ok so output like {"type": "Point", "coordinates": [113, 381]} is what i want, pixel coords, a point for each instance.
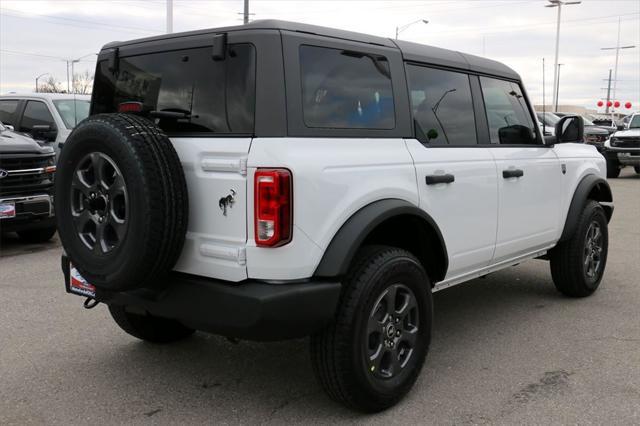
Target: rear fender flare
{"type": "Point", "coordinates": [350, 237]}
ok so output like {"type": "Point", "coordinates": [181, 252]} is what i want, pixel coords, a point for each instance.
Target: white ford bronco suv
{"type": "Point", "coordinates": [278, 180]}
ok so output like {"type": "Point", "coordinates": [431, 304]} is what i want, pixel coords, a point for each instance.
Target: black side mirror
{"type": "Point", "coordinates": [620, 126]}
{"type": "Point", "coordinates": [515, 134]}
{"type": "Point", "coordinates": [43, 132]}
{"type": "Point", "coordinates": [570, 128]}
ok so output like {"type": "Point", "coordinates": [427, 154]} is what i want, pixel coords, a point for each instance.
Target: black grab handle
{"type": "Point", "coordinates": [435, 179]}
{"type": "Point", "coordinates": [512, 173]}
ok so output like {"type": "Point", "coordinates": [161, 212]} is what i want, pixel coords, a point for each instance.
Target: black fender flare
{"type": "Point", "coordinates": [346, 242]}
{"type": "Point", "coordinates": [590, 184]}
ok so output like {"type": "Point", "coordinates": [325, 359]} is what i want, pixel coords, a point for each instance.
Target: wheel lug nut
{"type": "Point", "coordinates": [397, 320]}
{"type": "Point", "coordinates": [398, 333]}
{"type": "Point", "coordinates": [93, 195]}
{"type": "Point", "coordinates": [100, 219]}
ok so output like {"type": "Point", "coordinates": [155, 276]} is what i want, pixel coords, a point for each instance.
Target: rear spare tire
{"type": "Point", "coordinates": [121, 201]}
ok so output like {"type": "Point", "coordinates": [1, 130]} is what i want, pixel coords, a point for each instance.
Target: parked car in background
{"type": "Point", "coordinates": [26, 185]}
{"type": "Point", "coordinates": [47, 117]}
{"type": "Point", "coordinates": [548, 122]}
{"type": "Point", "coordinates": [593, 135]}
{"type": "Point", "coordinates": [623, 148]}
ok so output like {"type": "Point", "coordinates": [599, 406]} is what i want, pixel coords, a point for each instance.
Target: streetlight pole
{"type": "Point", "coordinates": [38, 77]}
{"type": "Point", "coordinates": [617, 48]}
{"type": "Point", "coordinates": [558, 4]}
{"type": "Point", "coordinates": [557, 89]}
{"type": "Point", "coordinates": [404, 27]}
{"type": "Point", "coordinates": [74, 61]}
{"type": "Point", "coordinates": [169, 16]}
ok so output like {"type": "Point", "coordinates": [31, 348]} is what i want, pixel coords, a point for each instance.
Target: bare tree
{"type": "Point", "coordinates": [51, 85]}
{"type": "Point", "coordinates": [82, 83]}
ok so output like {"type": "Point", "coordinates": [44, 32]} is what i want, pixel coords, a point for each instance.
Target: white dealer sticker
{"type": "Point", "coordinates": [79, 285]}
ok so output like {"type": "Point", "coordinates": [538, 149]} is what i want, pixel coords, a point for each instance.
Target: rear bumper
{"type": "Point", "coordinates": [250, 310]}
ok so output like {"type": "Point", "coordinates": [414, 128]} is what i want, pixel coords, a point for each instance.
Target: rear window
{"type": "Point", "coordinates": [184, 91]}
{"type": "Point", "coordinates": [345, 89]}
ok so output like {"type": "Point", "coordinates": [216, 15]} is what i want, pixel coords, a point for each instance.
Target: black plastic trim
{"type": "Point", "coordinates": [579, 200]}
{"type": "Point", "coordinates": [250, 310]}
{"type": "Point", "coordinates": [349, 238]}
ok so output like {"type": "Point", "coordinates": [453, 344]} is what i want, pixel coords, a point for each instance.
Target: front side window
{"type": "Point", "coordinates": [183, 91]}
{"type": "Point", "coordinates": [343, 89]}
{"type": "Point", "coordinates": [8, 108]}
{"type": "Point", "coordinates": [36, 113]}
{"type": "Point", "coordinates": [441, 105]}
{"type": "Point", "coordinates": [72, 111]}
{"type": "Point", "coordinates": [510, 122]}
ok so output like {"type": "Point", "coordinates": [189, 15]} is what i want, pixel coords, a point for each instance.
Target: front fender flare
{"type": "Point", "coordinates": [590, 184]}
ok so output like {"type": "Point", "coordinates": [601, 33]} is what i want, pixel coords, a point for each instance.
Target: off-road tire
{"type": "Point", "coordinates": [613, 169]}
{"type": "Point", "coordinates": [338, 354]}
{"type": "Point", "coordinates": [567, 259]}
{"type": "Point", "coordinates": [148, 327]}
{"type": "Point", "coordinates": [40, 235]}
{"type": "Point", "coordinates": [157, 201]}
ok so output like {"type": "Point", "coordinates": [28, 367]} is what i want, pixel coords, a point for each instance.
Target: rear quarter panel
{"type": "Point", "coordinates": [332, 179]}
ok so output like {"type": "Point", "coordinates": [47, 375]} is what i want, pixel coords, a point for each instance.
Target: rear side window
{"type": "Point", "coordinates": [441, 105]}
{"type": "Point", "coordinates": [7, 111]}
{"type": "Point", "coordinates": [36, 113]}
{"type": "Point", "coordinates": [510, 121]}
{"type": "Point", "coordinates": [343, 89]}
{"type": "Point", "coordinates": [184, 91]}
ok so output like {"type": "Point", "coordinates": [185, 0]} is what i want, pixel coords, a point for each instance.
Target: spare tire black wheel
{"type": "Point", "coordinates": [121, 201]}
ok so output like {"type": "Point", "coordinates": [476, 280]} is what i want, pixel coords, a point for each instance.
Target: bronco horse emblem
{"type": "Point", "coordinates": [227, 202]}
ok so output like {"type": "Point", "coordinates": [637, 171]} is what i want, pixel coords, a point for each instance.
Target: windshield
{"type": "Point", "coordinates": [72, 111]}
{"type": "Point", "coordinates": [635, 122]}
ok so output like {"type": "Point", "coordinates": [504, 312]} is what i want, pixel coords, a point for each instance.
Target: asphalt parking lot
{"type": "Point", "coordinates": [506, 349]}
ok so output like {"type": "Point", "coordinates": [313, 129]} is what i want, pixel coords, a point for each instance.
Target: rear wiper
{"type": "Point", "coordinates": [169, 114]}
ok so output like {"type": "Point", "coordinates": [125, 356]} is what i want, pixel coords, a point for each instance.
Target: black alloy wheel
{"type": "Point", "coordinates": [593, 248]}
{"type": "Point", "coordinates": [392, 330]}
{"type": "Point", "coordinates": [99, 203]}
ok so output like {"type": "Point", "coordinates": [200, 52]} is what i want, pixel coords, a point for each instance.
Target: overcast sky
{"type": "Point", "coordinates": [36, 36]}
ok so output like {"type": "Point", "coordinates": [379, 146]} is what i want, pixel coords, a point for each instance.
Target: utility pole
{"type": "Point", "coordinates": [558, 89]}
{"type": "Point", "coordinates": [608, 93]}
{"type": "Point", "coordinates": [558, 4]}
{"type": "Point", "coordinates": [169, 16]}
{"type": "Point", "coordinates": [245, 18]}
{"type": "Point", "coordinates": [68, 87]}
{"type": "Point", "coordinates": [617, 49]}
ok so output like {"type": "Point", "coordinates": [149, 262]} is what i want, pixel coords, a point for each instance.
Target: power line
{"type": "Point", "coordinates": [49, 18]}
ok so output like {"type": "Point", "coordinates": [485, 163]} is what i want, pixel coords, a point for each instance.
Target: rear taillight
{"type": "Point", "coordinates": [273, 207]}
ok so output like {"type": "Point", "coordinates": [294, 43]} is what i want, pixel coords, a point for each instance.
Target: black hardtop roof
{"type": "Point", "coordinates": [410, 51]}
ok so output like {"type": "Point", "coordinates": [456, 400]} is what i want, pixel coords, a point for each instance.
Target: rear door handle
{"type": "Point", "coordinates": [435, 179]}
{"type": "Point", "coordinates": [512, 173]}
